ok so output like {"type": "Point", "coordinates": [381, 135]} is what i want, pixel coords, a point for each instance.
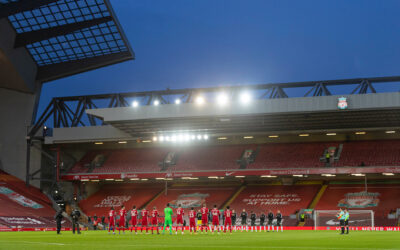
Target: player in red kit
{"type": "Point", "coordinates": [134, 215]}
{"type": "Point", "coordinates": [154, 220]}
{"type": "Point", "coordinates": [204, 218]}
{"type": "Point", "coordinates": [144, 214]}
{"type": "Point", "coordinates": [179, 217]}
{"type": "Point", "coordinates": [192, 220]}
{"type": "Point", "coordinates": [215, 218]}
{"type": "Point", "coordinates": [111, 220]}
{"type": "Point", "coordinates": [122, 215]}
{"type": "Point", "coordinates": [228, 219]}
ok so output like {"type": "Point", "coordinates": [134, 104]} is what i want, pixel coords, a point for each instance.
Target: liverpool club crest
{"type": "Point", "coordinates": [342, 103]}
{"type": "Point", "coordinates": [359, 200]}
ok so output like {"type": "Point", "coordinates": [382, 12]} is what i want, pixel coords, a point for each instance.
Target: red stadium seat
{"type": "Point", "coordinates": [116, 195]}
{"type": "Point", "coordinates": [387, 198]}
{"type": "Point", "coordinates": [22, 206]}
{"type": "Point", "coordinates": [270, 156]}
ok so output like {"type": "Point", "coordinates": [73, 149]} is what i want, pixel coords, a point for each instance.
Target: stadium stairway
{"type": "Point", "coordinates": [314, 202]}
{"type": "Point", "coordinates": [233, 197]}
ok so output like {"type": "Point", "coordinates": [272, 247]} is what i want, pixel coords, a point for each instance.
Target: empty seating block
{"type": "Point", "coordinates": [379, 198]}
{"type": "Point", "coordinates": [270, 156]}
{"type": "Point", "coordinates": [115, 195]}
{"type": "Point", "coordinates": [22, 206]}
{"type": "Point", "coordinates": [193, 196]}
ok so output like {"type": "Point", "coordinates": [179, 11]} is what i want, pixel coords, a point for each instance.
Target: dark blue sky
{"type": "Point", "coordinates": [199, 43]}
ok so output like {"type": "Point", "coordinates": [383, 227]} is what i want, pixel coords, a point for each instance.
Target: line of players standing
{"type": "Point", "coordinates": [269, 217]}
{"type": "Point", "coordinates": [203, 216]}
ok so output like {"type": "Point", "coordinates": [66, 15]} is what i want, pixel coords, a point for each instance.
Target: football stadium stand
{"type": "Point", "coordinates": [22, 206]}
{"type": "Point", "coordinates": [290, 155]}
{"type": "Point", "coordinates": [287, 199]}
{"type": "Point", "coordinates": [381, 198]}
{"type": "Point", "coordinates": [114, 195]}
{"type": "Point", "coordinates": [209, 158]}
{"type": "Point", "coordinates": [193, 196]}
{"type": "Point", "coordinates": [269, 156]}
{"type": "Point", "coordinates": [370, 153]}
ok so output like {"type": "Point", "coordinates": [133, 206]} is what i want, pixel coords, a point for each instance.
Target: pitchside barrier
{"type": "Point", "coordinates": [238, 229]}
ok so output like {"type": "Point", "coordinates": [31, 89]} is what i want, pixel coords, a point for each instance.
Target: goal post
{"type": "Point", "coordinates": [358, 218]}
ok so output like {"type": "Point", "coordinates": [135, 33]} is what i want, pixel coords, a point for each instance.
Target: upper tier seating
{"type": "Point", "coordinates": [133, 160]}
{"type": "Point", "coordinates": [290, 155]}
{"type": "Point", "coordinates": [22, 206]}
{"type": "Point", "coordinates": [372, 153]}
{"type": "Point", "coordinates": [270, 156]}
{"type": "Point", "coordinates": [209, 158]}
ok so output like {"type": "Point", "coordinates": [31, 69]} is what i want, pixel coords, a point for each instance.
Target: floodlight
{"type": "Point", "coordinates": [200, 100]}
{"type": "Point", "coordinates": [156, 102]}
{"type": "Point", "coordinates": [245, 98]}
{"type": "Point", "coordinates": [222, 99]}
{"type": "Point", "coordinates": [135, 104]}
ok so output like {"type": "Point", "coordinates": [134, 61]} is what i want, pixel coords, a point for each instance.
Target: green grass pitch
{"type": "Point", "coordinates": [239, 240]}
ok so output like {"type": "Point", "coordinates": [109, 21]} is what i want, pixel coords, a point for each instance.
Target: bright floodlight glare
{"type": "Point", "coordinates": [200, 100]}
{"type": "Point", "coordinates": [135, 104]}
{"type": "Point", "coordinates": [245, 98]}
{"type": "Point", "coordinates": [161, 138]}
{"type": "Point", "coordinates": [187, 137]}
{"type": "Point", "coordinates": [180, 137]}
{"type": "Point", "coordinates": [156, 102]}
{"type": "Point", "coordinates": [205, 137]}
{"type": "Point", "coordinates": [167, 138]}
{"type": "Point", "coordinates": [155, 138]}
{"type": "Point", "coordinates": [178, 101]}
{"type": "Point", "coordinates": [198, 137]}
{"type": "Point", "coordinates": [173, 138]}
{"type": "Point", "coordinates": [222, 99]}
{"type": "Point", "coordinates": [192, 137]}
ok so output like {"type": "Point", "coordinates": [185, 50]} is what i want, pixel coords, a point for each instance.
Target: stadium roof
{"type": "Point", "coordinates": [269, 110]}
{"type": "Point", "coordinates": [66, 37]}
{"type": "Point", "coordinates": [274, 115]}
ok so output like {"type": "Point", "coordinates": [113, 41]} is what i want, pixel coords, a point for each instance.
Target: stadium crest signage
{"type": "Point", "coordinates": [342, 103]}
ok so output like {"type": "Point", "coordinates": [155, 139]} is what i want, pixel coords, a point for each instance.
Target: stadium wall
{"type": "Point", "coordinates": [16, 111]}
{"type": "Point", "coordinates": [19, 95]}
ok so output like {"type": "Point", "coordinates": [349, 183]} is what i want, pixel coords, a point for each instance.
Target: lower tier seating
{"type": "Point", "coordinates": [287, 199]}
{"type": "Point", "coordinates": [193, 196]}
{"type": "Point", "coordinates": [23, 207]}
{"type": "Point", "coordinates": [114, 195]}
